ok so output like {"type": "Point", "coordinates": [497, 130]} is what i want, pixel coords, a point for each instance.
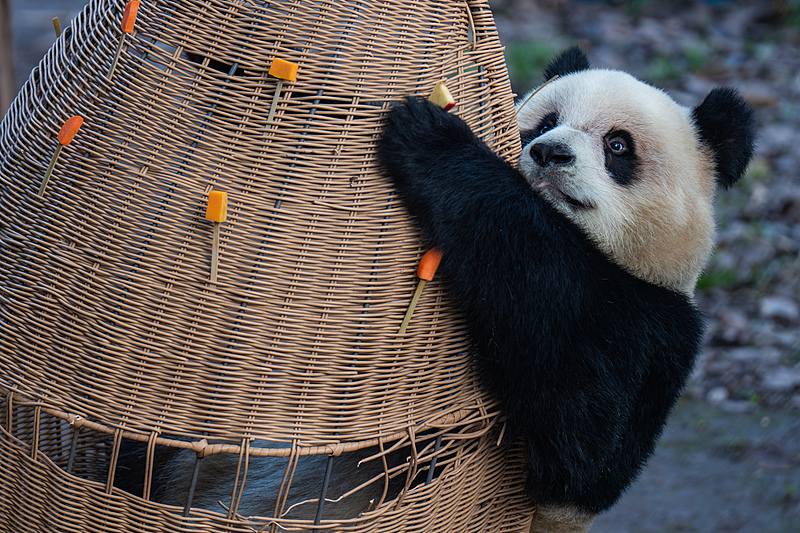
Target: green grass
{"type": "Point", "coordinates": [758, 171]}
{"type": "Point", "coordinates": [790, 9]}
{"type": "Point", "coordinates": [719, 279]}
{"type": "Point", "coordinates": [526, 60]}
{"type": "Point", "coordinates": [663, 69]}
{"type": "Point", "coordinates": [696, 56]}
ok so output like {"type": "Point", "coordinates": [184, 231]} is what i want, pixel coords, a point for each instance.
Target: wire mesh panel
{"type": "Point", "coordinates": [135, 383]}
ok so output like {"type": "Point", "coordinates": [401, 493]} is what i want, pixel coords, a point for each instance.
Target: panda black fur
{"type": "Point", "coordinates": [585, 334]}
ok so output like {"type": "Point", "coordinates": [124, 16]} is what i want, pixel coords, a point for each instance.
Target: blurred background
{"type": "Point", "coordinates": [730, 459]}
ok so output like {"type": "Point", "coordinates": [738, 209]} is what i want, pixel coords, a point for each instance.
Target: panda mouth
{"type": "Point", "coordinates": [559, 194]}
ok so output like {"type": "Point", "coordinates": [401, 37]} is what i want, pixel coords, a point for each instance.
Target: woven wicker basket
{"type": "Point", "coordinates": [114, 334]}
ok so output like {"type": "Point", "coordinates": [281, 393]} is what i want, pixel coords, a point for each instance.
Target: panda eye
{"type": "Point", "coordinates": [617, 146]}
{"type": "Point", "coordinates": [618, 143]}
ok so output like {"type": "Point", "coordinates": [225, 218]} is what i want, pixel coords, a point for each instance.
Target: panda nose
{"type": "Point", "coordinates": [555, 154]}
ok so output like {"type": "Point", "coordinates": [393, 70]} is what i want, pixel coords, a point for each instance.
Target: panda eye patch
{"type": "Point", "coordinates": [526, 136]}
{"type": "Point", "coordinates": [621, 161]}
{"type": "Point", "coordinates": [547, 123]}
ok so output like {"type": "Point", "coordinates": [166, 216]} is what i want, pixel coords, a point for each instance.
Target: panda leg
{"type": "Point", "coordinates": [561, 519]}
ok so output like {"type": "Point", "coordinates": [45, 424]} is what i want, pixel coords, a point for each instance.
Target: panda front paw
{"type": "Point", "coordinates": [418, 135]}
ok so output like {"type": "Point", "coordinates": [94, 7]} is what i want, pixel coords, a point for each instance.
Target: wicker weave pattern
{"type": "Point", "coordinates": [110, 321]}
{"type": "Point", "coordinates": [478, 492]}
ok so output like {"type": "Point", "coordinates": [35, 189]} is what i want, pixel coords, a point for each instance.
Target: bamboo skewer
{"type": "Point", "coordinates": [65, 136]}
{"type": "Point", "coordinates": [425, 271]}
{"type": "Point", "coordinates": [128, 21]}
{"type": "Point", "coordinates": [216, 211]}
{"type": "Point", "coordinates": [283, 70]}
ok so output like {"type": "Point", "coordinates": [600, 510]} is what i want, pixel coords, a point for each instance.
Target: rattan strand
{"type": "Point", "coordinates": [109, 317]}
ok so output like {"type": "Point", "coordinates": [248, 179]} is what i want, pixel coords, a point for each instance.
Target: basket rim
{"type": "Point", "coordinates": [486, 419]}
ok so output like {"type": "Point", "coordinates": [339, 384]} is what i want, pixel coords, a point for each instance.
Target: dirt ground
{"type": "Point", "coordinates": [717, 471]}
{"type": "Point", "coordinates": [730, 458]}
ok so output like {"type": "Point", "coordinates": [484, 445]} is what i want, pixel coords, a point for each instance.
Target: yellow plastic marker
{"type": "Point", "coordinates": [216, 211]}
{"type": "Point", "coordinates": [425, 271]}
{"type": "Point", "coordinates": [283, 70]}
{"type": "Point", "coordinates": [441, 96]}
{"type": "Point", "coordinates": [65, 136]}
{"type": "Point", "coordinates": [128, 20]}
{"type": "Point", "coordinates": [57, 26]}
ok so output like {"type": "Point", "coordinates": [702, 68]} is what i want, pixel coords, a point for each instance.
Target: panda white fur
{"type": "Point", "coordinates": [576, 270]}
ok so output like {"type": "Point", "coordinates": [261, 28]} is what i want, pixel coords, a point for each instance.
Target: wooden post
{"type": "Point", "coordinates": [8, 86]}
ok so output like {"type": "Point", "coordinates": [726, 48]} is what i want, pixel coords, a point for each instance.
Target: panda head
{"type": "Point", "coordinates": [634, 169]}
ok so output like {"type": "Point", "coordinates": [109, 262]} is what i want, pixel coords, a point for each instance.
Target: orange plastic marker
{"type": "Point", "coordinates": [65, 136]}
{"type": "Point", "coordinates": [425, 272]}
{"type": "Point", "coordinates": [216, 211]}
{"type": "Point", "coordinates": [283, 70]}
{"type": "Point", "coordinates": [128, 20]}
{"type": "Point", "coordinates": [57, 26]}
{"type": "Point", "coordinates": [441, 96]}
{"type": "Point", "coordinates": [69, 129]}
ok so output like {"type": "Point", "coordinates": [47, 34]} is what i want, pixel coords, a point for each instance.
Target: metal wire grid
{"type": "Point", "coordinates": [111, 325]}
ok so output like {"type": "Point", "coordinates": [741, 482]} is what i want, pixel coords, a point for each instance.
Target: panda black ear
{"type": "Point", "coordinates": [569, 61]}
{"type": "Point", "coordinates": [726, 124]}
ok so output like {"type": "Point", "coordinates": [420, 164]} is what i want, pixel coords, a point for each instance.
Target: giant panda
{"type": "Point", "coordinates": [575, 270]}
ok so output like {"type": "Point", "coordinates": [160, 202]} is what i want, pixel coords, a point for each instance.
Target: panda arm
{"type": "Point", "coordinates": [519, 272]}
{"type": "Point", "coordinates": [450, 181]}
